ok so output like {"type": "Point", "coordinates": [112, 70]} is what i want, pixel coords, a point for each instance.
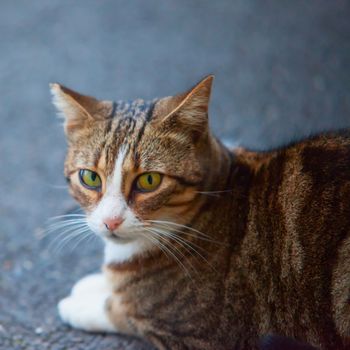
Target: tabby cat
{"type": "Point", "coordinates": [206, 247]}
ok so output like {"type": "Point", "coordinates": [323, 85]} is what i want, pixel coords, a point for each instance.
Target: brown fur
{"type": "Point", "coordinates": [278, 255]}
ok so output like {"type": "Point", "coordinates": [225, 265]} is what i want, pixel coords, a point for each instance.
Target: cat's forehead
{"type": "Point", "coordinates": [134, 109]}
{"type": "Point", "coordinates": [124, 130]}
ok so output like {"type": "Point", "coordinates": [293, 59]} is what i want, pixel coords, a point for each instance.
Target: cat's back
{"type": "Point", "coordinates": [318, 162]}
{"type": "Point", "coordinates": [325, 157]}
{"type": "Point", "coordinates": [297, 244]}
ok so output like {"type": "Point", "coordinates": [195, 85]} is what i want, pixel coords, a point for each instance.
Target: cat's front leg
{"type": "Point", "coordinates": [87, 313]}
{"type": "Point", "coordinates": [94, 283]}
{"type": "Point", "coordinates": [85, 308]}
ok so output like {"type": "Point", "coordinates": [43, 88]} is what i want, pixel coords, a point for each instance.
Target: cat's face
{"type": "Point", "coordinates": [136, 167]}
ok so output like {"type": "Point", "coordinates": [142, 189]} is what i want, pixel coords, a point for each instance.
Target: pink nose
{"type": "Point", "coordinates": [112, 224]}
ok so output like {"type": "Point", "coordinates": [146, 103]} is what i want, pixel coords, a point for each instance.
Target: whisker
{"type": "Point", "coordinates": [70, 227]}
{"type": "Point", "coordinates": [171, 252]}
{"type": "Point", "coordinates": [180, 225]}
{"type": "Point", "coordinates": [67, 229]}
{"type": "Point", "coordinates": [64, 222]}
{"type": "Point", "coordinates": [59, 187]}
{"type": "Point", "coordinates": [64, 228]}
{"type": "Point", "coordinates": [57, 246]}
{"type": "Point", "coordinates": [207, 192]}
{"type": "Point", "coordinates": [189, 246]}
{"type": "Point", "coordinates": [57, 227]}
{"type": "Point", "coordinates": [66, 216]}
{"type": "Point", "coordinates": [216, 194]}
{"type": "Point", "coordinates": [191, 234]}
{"type": "Point", "coordinates": [156, 242]}
{"type": "Point", "coordinates": [178, 237]}
{"type": "Point", "coordinates": [210, 194]}
{"type": "Point", "coordinates": [62, 236]}
{"type": "Point", "coordinates": [92, 238]}
{"type": "Point", "coordinates": [63, 243]}
{"type": "Point", "coordinates": [85, 235]}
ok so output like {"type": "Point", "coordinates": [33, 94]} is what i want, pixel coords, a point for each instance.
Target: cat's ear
{"type": "Point", "coordinates": [190, 109]}
{"type": "Point", "coordinates": [77, 109]}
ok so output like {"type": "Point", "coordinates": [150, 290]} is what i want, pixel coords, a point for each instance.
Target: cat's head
{"type": "Point", "coordinates": [137, 167]}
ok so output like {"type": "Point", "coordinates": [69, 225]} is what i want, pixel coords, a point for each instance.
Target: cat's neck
{"type": "Point", "coordinates": [225, 206]}
{"type": "Point", "coordinates": [219, 166]}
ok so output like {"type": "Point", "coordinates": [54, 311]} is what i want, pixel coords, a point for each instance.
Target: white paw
{"type": "Point", "coordinates": [95, 283]}
{"type": "Point", "coordinates": [86, 312]}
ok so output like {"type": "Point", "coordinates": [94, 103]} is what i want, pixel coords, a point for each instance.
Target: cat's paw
{"type": "Point", "coordinates": [94, 283]}
{"type": "Point", "coordinates": [86, 312]}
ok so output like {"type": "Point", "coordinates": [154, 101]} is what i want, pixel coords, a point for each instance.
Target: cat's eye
{"type": "Point", "coordinates": [148, 182]}
{"type": "Point", "coordinates": [90, 179]}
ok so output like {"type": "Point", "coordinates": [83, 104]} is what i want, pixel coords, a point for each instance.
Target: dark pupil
{"type": "Point", "coordinates": [150, 179]}
{"type": "Point", "coordinates": [93, 176]}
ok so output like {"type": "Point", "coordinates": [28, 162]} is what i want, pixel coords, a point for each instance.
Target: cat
{"type": "Point", "coordinates": [206, 247]}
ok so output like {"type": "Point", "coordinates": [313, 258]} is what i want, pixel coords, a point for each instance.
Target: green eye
{"type": "Point", "coordinates": [148, 182]}
{"type": "Point", "coordinates": [90, 179]}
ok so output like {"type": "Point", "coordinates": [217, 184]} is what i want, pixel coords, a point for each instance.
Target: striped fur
{"type": "Point", "coordinates": [267, 243]}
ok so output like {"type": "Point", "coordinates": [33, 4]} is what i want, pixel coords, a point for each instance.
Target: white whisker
{"type": "Point", "coordinates": [59, 187]}
{"type": "Point", "coordinates": [66, 222]}
{"type": "Point", "coordinates": [67, 234]}
{"type": "Point", "coordinates": [189, 234]}
{"type": "Point", "coordinates": [85, 235]}
{"type": "Point", "coordinates": [66, 216]}
{"type": "Point", "coordinates": [64, 225]}
{"type": "Point", "coordinates": [163, 243]}
{"type": "Point", "coordinates": [189, 246]}
{"type": "Point", "coordinates": [208, 192]}
{"type": "Point", "coordinates": [156, 242]}
{"type": "Point", "coordinates": [75, 234]}
{"type": "Point", "coordinates": [69, 227]}
{"type": "Point", "coordinates": [180, 225]}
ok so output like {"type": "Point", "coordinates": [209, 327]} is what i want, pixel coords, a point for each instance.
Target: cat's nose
{"type": "Point", "coordinates": [113, 223]}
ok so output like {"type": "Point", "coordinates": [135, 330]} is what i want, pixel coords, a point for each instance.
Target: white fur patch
{"type": "Point", "coordinates": [58, 100]}
{"type": "Point", "coordinates": [117, 253]}
{"type": "Point", "coordinates": [68, 109]}
{"type": "Point", "coordinates": [89, 284]}
{"type": "Point", "coordinates": [85, 308]}
{"type": "Point", "coordinates": [118, 170]}
{"type": "Point", "coordinates": [113, 204]}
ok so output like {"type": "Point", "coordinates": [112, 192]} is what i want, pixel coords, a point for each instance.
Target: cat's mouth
{"type": "Point", "coordinates": [114, 237]}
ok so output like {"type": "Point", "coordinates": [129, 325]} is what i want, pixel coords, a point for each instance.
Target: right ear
{"type": "Point", "coordinates": [188, 110]}
{"type": "Point", "coordinates": [76, 109]}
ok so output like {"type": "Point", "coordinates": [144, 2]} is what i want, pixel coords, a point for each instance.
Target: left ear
{"type": "Point", "coordinates": [188, 110]}
{"type": "Point", "coordinates": [77, 109]}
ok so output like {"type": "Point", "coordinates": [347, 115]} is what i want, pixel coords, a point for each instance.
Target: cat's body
{"type": "Point", "coordinates": [265, 250]}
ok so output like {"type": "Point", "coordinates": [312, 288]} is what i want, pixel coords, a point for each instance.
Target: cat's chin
{"type": "Point", "coordinates": [117, 251]}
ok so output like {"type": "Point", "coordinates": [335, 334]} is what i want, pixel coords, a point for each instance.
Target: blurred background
{"type": "Point", "coordinates": [282, 72]}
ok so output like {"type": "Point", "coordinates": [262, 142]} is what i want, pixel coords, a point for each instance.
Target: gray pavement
{"type": "Point", "coordinates": [282, 71]}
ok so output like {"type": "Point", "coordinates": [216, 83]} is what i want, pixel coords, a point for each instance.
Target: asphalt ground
{"type": "Point", "coordinates": [282, 72]}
